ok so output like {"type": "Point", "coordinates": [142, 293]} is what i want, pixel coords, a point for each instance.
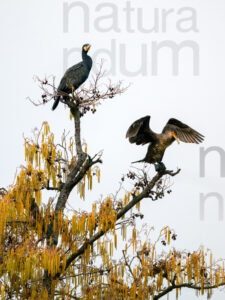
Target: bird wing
{"type": "Point", "coordinates": [74, 68]}
{"type": "Point", "coordinates": [72, 76]}
{"type": "Point", "coordinates": [139, 132]}
{"type": "Point", "coordinates": [183, 132]}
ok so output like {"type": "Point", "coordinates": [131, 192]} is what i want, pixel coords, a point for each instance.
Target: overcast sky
{"type": "Point", "coordinates": [43, 37]}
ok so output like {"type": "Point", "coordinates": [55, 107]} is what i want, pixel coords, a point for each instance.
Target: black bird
{"type": "Point", "coordinates": [140, 134]}
{"type": "Point", "coordinates": [75, 76]}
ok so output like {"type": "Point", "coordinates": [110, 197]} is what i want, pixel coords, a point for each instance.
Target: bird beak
{"type": "Point", "coordinates": [87, 48]}
{"type": "Point", "coordinates": [175, 136]}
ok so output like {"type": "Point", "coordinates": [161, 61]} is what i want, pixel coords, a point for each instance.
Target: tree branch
{"type": "Point", "coordinates": [186, 285]}
{"type": "Point", "coordinates": [123, 211]}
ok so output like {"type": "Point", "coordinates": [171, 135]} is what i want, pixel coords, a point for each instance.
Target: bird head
{"type": "Point", "coordinates": [86, 47]}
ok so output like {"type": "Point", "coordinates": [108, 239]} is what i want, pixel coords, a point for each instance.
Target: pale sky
{"type": "Point", "coordinates": [36, 35]}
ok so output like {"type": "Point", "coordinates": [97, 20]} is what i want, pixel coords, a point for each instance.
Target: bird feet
{"type": "Point", "coordinates": [160, 167]}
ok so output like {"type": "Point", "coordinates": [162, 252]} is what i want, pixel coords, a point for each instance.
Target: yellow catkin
{"type": "Point", "coordinates": [38, 197]}
{"type": "Point", "coordinates": [124, 232]}
{"type": "Point", "coordinates": [83, 191]}
{"type": "Point", "coordinates": [26, 151]}
{"type": "Point", "coordinates": [137, 193]}
{"type": "Point", "coordinates": [115, 240]}
{"type": "Point", "coordinates": [168, 237]}
{"type": "Point", "coordinates": [2, 293]}
{"type": "Point", "coordinates": [111, 249]}
{"type": "Point", "coordinates": [125, 200]}
{"type": "Point", "coordinates": [134, 235]}
{"type": "Point", "coordinates": [202, 285]}
{"type": "Point", "coordinates": [99, 175]}
{"type": "Point", "coordinates": [138, 206]}
{"type": "Point", "coordinates": [91, 182]}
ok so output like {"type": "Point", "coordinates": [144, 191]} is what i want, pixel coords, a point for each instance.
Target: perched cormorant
{"type": "Point", "coordinates": [75, 76]}
{"type": "Point", "coordinates": [140, 134]}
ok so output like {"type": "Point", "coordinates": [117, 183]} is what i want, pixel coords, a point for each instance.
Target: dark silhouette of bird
{"type": "Point", "coordinates": [140, 133]}
{"type": "Point", "coordinates": [74, 76]}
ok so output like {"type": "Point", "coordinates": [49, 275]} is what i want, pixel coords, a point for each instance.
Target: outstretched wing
{"type": "Point", "coordinates": [183, 132]}
{"type": "Point", "coordinates": [139, 132]}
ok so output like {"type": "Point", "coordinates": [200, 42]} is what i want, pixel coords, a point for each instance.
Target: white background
{"type": "Point", "coordinates": [32, 43]}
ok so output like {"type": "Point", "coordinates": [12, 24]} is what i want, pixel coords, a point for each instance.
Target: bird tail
{"type": "Point", "coordinates": [56, 102]}
{"type": "Point", "coordinates": [138, 161]}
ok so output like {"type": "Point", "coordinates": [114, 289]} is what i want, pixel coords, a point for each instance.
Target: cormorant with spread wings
{"type": "Point", "coordinates": [74, 76]}
{"type": "Point", "coordinates": [140, 133]}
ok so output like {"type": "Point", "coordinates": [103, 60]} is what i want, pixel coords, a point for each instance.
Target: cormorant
{"type": "Point", "coordinates": [75, 76]}
{"type": "Point", "coordinates": [140, 133]}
